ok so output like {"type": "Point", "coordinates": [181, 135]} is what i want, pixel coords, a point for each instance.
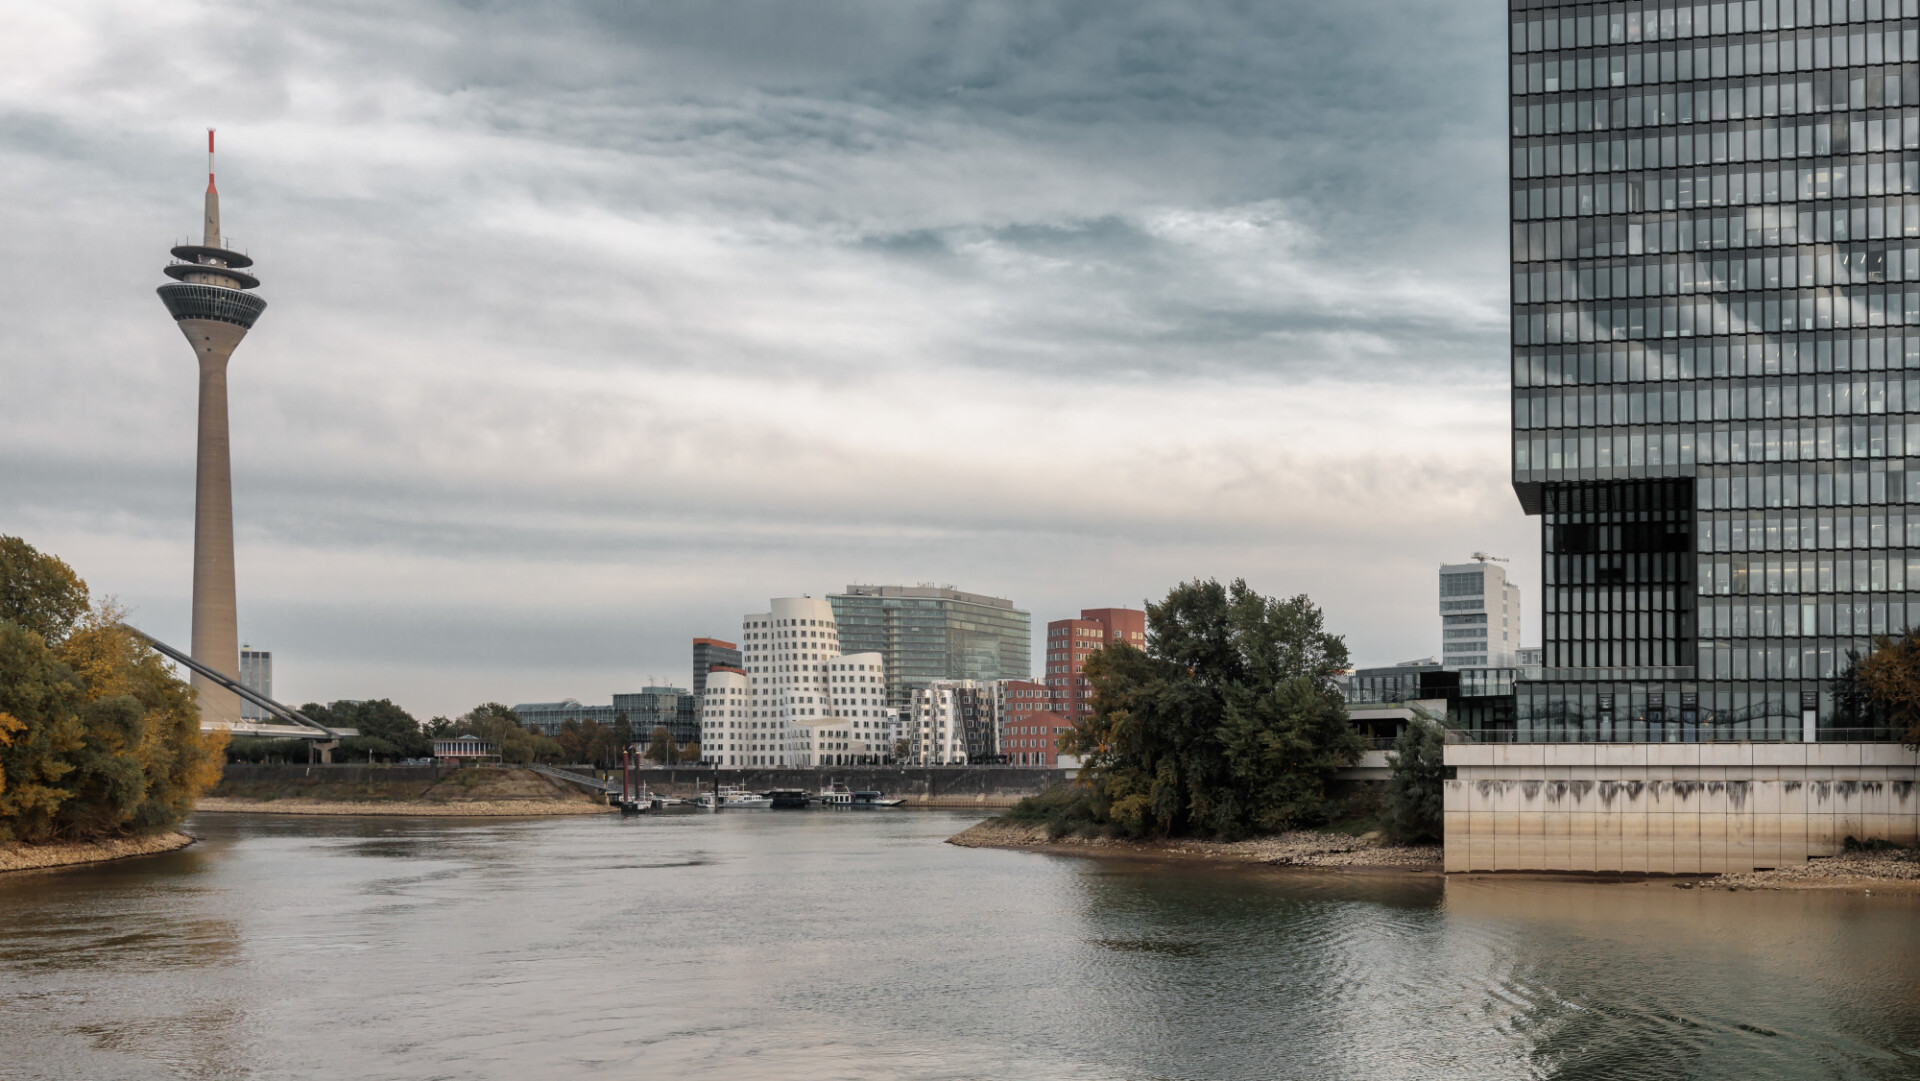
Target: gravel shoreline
{"type": "Point", "coordinates": [503, 808]}
{"type": "Point", "coordinates": [1890, 871]}
{"type": "Point", "coordinates": [1299, 848]}
{"type": "Point", "coordinates": [24, 857]}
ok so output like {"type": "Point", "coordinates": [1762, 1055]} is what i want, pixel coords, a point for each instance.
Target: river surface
{"type": "Point", "coordinates": [797, 945]}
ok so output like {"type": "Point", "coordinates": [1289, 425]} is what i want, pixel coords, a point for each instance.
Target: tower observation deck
{"type": "Point", "coordinates": [210, 302]}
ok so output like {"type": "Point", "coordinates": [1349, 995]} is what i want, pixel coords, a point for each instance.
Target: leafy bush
{"type": "Point", "coordinates": [1415, 803]}
{"type": "Point", "coordinates": [1063, 809]}
{"type": "Point", "coordinates": [1869, 844]}
{"type": "Point", "coordinates": [1881, 691]}
{"type": "Point", "coordinates": [258, 749]}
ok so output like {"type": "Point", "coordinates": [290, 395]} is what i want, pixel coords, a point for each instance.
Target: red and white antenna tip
{"type": "Point", "coordinates": [210, 186]}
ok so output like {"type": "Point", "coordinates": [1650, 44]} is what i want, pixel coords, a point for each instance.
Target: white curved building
{"type": "Point", "coordinates": [726, 738]}
{"type": "Point", "coordinates": [807, 703]}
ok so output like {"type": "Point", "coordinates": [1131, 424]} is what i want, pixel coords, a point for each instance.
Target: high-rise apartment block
{"type": "Point", "coordinates": [810, 704]}
{"type": "Point", "coordinates": [256, 675]}
{"type": "Point", "coordinates": [927, 633]}
{"type": "Point", "coordinates": [1716, 355]}
{"type": "Point", "coordinates": [1071, 641]}
{"type": "Point", "coordinates": [1479, 615]}
{"type": "Point", "coordinates": [709, 653]}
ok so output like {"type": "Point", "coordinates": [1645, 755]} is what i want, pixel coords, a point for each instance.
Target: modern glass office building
{"type": "Point", "coordinates": [928, 633]}
{"type": "Point", "coordinates": [1716, 335]}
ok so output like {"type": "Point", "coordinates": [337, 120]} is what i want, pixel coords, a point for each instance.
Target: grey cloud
{"type": "Point", "coordinates": [621, 317]}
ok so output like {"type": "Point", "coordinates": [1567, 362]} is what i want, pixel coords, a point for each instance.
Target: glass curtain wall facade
{"type": "Point", "coordinates": [1716, 334]}
{"type": "Point", "coordinates": [929, 633]}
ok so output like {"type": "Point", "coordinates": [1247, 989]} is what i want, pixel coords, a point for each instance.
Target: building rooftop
{"type": "Point", "coordinates": [930, 592]}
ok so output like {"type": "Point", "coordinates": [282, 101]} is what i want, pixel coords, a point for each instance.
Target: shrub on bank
{"type": "Point", "coordinates": [258, 749]}
{"type": "Point", "coordinates": [1415, 801]}
{"type": "Point", "coordinates": [97, 735]}
{"type": "Point", "coordinates": [1064, 809]}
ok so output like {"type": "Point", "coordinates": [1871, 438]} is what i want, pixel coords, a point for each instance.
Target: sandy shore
{"type": "Point", "coordinates": [37, 857]}
{"type": "Point", "coordinates": [1300, 848]}
{"type": "Point", "coordinates": [1895, 871]}
{"type": "Point", "coordinates": [500, 808]}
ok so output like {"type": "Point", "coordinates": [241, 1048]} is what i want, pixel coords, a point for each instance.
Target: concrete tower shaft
{"type": "Point", "coordinates": [208, 300]}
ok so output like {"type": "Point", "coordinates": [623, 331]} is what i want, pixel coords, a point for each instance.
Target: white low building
{"type": "Point", "coordinates": [806, 703]}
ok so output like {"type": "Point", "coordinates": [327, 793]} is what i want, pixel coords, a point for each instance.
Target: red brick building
{"type": "Point", "coordinates": [1029, 727]}
{"type": "Point", "coordinates": [1038, 714]}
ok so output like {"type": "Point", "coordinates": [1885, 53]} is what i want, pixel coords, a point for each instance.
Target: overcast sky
{"type": "Point", "coordinates": [592, 326]}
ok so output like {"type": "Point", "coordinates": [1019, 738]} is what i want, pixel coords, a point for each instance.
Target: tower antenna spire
{"type": "Point", "coordinates": [211, 235]}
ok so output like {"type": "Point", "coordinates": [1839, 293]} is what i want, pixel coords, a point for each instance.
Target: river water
{"type": "Point", "coordinates": [855, 945]}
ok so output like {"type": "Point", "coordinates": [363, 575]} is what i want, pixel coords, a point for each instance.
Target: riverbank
{"type": "Point", "coordinates": [1893, 871]}
{"type": "Point", "coordinates": [23, 857]}
{"type": "Point", "coordinates": [1299, 848]}
{"type": "Point", "coordinates": [402, 790]}
{"type": "Point", "coordinates": [481, 808]}
{"type": "Point", "coordinates": [1890, 871]}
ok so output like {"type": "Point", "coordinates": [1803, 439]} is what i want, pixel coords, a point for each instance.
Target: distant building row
{"type": "Point", "coordinates": [926, 675]}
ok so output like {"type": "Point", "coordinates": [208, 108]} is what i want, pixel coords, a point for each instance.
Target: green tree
{"type": "Point", "coordinates": [97, 735]}
{"type": "Point", "coordinates": [1415, 803]}
{"type": "Point", "coordinates": [501, 726]}
{"type": "Point", "coordinates": [1882, 689]}
{"type": "Point", "coordinates": [386, 730]}
{"type": "Point", "coordinates": [1229, 724]}
{"type": "Point", "coordinates": [660, 746]}
{"type": "Point", "coordinates": [589, 741]}
{"type": "Point", "coordinates": [258, 749]}
{"type": "Point", "coordinates": [38, 592]}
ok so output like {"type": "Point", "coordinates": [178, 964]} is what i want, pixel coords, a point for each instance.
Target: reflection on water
{"type": "Point", "coordinates": [820, 945]}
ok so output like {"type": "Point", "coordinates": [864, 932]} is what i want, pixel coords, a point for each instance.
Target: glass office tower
{"type": "Point", "coordinates": [929, 633]}
{"type": "Point", "coordinates": [1716, 332]}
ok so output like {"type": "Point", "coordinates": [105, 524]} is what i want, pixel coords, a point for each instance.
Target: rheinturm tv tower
{"type": "Point", "coordinates": [208, 298]}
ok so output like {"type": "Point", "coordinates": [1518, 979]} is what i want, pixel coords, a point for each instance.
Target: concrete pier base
{"type": "Point", "coordinates": [1673, 808]}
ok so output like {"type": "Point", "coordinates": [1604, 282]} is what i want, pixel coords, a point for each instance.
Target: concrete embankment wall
{"type": "Point", "coordinates": [1663, 808]}
{"type": "Point", "coordinates": [970, 786]}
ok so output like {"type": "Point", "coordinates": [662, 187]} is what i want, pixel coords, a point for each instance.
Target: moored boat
{"type": "Point", "coordinates": [733, 796]}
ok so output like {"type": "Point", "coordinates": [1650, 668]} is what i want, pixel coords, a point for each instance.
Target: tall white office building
{"type": "Point", "coordinates": [1479, 615]}
{"type": "Point", "coordinates": [256, 675]}
{"type": "Point", "coordinates": [806, 703]}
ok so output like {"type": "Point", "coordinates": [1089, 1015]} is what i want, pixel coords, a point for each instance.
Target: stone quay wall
{"type": "Point", "coordinates": [920, 786]}
{"type": "Point", "coordinates": [1673, 808]}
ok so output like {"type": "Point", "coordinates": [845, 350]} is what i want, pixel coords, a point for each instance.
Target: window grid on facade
{"type": "Point", "coordinates": [1716, 337]}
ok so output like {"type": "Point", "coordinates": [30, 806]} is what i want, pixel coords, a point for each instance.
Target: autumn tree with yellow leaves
{"type": "Point", "coordinates": [97, 735]}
